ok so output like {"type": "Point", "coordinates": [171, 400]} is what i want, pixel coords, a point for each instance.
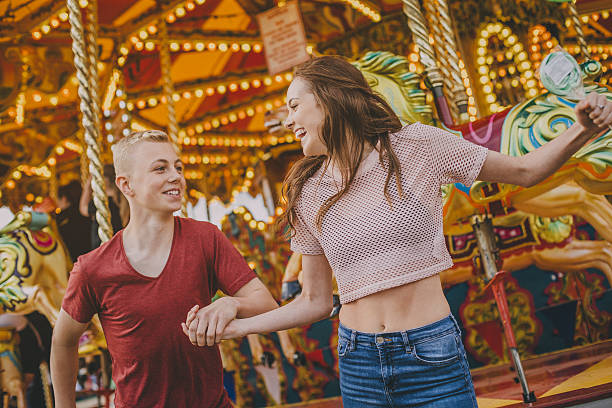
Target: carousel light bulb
{"type": "Point", "coordinates": [83, 3]}
{"type": "Point", "coordinates": [233, 87]}
{"type": "Point", "coordinates": [174, 46]}
{"type": "Point", "coordinates": [45, 28]}
{"type": "Point", "coordinates": [55, 22]}
{"type": "Point", "coordinates": [143, 35]}
{"type": "Point", "coordinates": [53, 100]}
{"type": "Point", "coordinates": [190, 6]}
{"type": "Point", "coordinates": [199, 93]}
{"type": "Point", "coordinates": [37, 35]}
{"type": "Point", "coordinates": [256, 83]}
{"type": "Point", "coordinates": [223, 47]}
{"type": "Point", "coordinates": [150, 45]}
{"type": "Point", "coordinates": [126, 132]}
{"type": "Point", "coordinates": [63, 16]}
{"type": "Point", "coordinates": [171, 18]}
{"type": "Point", "coordinates": [200, 2]}
{"type": "Point", "coordinates": [246, 47]}
{"type": "Point", "coordinates": [210, 91]}
{"type": "Point", "coordinates": [108, 126]}
{"type": "Point", "coordinates": [221, 89]}
{"type": "Point", "coordinates": [199, 46]}
{"type": "Point", "coordinates": [258, 47]}
{"type": "Point", "coordinates": [267, 81]}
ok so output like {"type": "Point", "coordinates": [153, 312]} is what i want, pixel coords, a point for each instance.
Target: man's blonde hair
{"type": "Point", "coordinates": [121, 149]}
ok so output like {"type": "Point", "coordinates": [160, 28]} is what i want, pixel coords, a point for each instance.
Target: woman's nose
{"type": "Point", "coordinates": [288, 122]}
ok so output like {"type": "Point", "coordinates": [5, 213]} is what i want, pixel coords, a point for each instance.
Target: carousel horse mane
{"type": "Point", "coordinates": [389, 75]}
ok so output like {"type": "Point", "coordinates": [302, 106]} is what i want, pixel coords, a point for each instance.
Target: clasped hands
{"type": "Point", "coordinates": [209, 325]}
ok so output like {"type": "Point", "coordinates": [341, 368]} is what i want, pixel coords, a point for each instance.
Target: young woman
{"type": "Point", "coordinates": [365, 203]}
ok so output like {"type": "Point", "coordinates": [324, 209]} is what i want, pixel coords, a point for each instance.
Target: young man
{"type": "Point", "coordinates": [143, 282]}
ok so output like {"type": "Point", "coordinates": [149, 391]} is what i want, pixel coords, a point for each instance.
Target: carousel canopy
{"type": "Point", "coordinates": [221, 85]}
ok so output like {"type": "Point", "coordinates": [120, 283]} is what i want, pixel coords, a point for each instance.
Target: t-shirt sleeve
{"type": "Point", "coordinates": [231, 270]}
{"type": "Point", "coordinates": [455, 159]}
{"type": "Point", "coordinates": [80, 301]}
{"type": "Point", "coordinates": [303, 240]}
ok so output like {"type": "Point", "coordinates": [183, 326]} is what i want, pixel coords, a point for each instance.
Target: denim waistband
{"type": "Point", "coordinates": [407, 337]}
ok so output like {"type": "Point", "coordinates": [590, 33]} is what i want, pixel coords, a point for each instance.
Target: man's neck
{"type": "Point", "coordinates": [148, 231]}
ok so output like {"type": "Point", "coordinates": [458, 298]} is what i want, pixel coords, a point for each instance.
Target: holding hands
{"type": "Point", "coordinates": [594, 112]}
{"type": "Point", "coordinates": [209, 325]}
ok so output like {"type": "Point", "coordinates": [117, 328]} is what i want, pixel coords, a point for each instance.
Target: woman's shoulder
{"type": "Point", "coordinates": [417, 131]}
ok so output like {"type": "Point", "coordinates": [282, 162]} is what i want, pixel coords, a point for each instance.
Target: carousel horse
{"type": "Point", "coordinates": [33, 276]}
{"type": "Point", "coordinates": [515, 131]}
{"type": "Point", "coordinates": [11, 378]}
{"type": "Point", "coordinates": [34, 273]}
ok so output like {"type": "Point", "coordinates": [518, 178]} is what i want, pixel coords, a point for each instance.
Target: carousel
{"type": "Point", "coordinates": [532, 281]}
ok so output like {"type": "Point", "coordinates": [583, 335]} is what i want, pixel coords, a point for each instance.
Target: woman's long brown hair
{"type": "Point", "coordinates": [354, 116]}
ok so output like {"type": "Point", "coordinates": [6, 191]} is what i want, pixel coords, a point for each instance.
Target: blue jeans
{"type": "Point", "coordinates": [422, 367]}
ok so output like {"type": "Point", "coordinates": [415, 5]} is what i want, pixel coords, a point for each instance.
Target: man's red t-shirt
{"type": "Point", "coordinates": [154, 363]}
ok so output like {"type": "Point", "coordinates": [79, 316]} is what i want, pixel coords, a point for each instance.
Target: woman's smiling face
{"type": "Point", "coordinates": [305, 118]}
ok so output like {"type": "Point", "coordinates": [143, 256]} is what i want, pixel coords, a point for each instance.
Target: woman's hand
{"type": "Point", "coordinates": [594, 112]}
{"type": "Point", "coordinates": [205, 326]}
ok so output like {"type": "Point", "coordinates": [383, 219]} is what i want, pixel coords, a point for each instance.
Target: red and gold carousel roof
{"type": "Point", "coordinates": [222, 87]}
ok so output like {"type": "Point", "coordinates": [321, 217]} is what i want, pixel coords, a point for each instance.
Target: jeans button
{"type": "Point", "coordinates": [379, 340]}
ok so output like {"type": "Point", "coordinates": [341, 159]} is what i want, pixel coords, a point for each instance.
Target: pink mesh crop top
{"type": "Point", "coordinates": [371, 246]}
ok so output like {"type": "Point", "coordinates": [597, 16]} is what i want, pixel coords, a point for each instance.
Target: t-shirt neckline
{"type": "Point", "coordinates": [168, 260]}
{"type": "Point", "coordinates": [367, 163]}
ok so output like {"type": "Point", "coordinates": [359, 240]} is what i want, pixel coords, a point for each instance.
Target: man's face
{"type": "Point", "coordinates": [155, 177]}
{"type": "Point", "coordinates": [63, 203]}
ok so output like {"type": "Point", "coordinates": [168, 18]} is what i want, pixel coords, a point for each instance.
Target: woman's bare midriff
{"type": "Point", "coordinates": [405, 307]}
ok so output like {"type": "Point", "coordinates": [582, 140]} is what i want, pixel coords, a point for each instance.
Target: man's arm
{"type": "Point", "coordinates": [85, 198]}
{"type": "Point", "coordinates": [251, 299]}
{"type": "Point", "coordinates": [313, 304]}
{"type": "Point", "coordinates": [64, 359]}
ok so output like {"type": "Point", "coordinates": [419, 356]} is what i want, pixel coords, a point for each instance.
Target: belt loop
{"type": "Point", "coordinates": [353, 341]}
{"type": "Point", "coordinates": [406, 341]}
{"type": "Point", "coordinates": [455, 323]}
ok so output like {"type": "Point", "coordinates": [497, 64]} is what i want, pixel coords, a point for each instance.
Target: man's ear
{"type": "Point", "coordinates": [123, 184]}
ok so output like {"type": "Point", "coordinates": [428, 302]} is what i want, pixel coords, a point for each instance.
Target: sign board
{"type": "Point", "coordinates": [283, 36]}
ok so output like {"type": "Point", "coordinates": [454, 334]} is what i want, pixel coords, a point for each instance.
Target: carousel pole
{"type": "Point", "coordinates": [450, 44]}
{"type": "Point", "coordinates": [168, 88]}
{"type": "Point", "coordinates": [439, 48]}
{"type": "Point", "coordinates": [420, 35]}
{"type": "Point", "coordinates": [91, 39]}
{"type": "Point", "coordinates": [578, 27]}
{"type": "Point", "coordinates": [488, 261]}
{"type": "Point", "coordinates": [89, 119]}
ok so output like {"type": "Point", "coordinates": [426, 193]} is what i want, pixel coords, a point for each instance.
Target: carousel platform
{"type": "Point", "coordinates": [578, 377]}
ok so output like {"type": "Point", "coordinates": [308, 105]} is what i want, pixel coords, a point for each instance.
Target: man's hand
{"type": "Point", "coordinates": [205, 326]}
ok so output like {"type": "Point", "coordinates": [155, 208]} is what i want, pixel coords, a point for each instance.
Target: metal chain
{"type": "Point", "coordinates": [168, 86]}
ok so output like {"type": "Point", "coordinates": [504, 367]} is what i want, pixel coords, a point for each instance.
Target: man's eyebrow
{"type": "Point", "coordinates": [178, 161]}
{"type": "Point", "coordinates": [163, 161]}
